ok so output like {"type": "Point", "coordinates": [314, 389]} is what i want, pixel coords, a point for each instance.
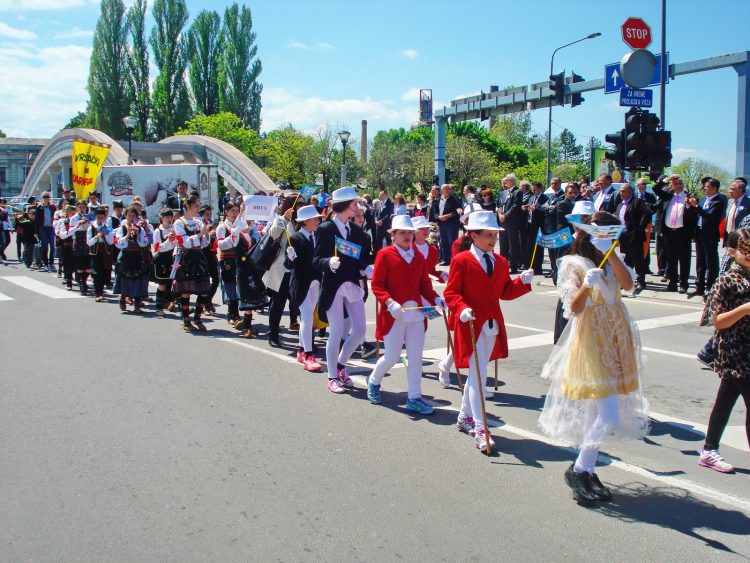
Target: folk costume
{"type": "Point", "coordinates": [250, 288]}
{"type": "Point", "coordinates": [227, 237]}
{"type": "Point", "coordinates": [67, 265]}
{"type": "Point", "coordinates": [99, 238]}
{"type": "Point", "coordinates": [161, 267]}
{"type": "Point", "coordinates": [81, 259]}
{"type": "Point", "coordinates": [212, 261]}
{"type": "Point", "coordinates": [192, 270]}
{"type": "Point", "coordinates": [132, 273]}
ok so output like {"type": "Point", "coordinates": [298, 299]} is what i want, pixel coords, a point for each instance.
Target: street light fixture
{"type": "Point", "coordinates": [344, 136]}
{"type": "Point", "coordinates": [130, 123]}
{"type": "Point", "coordinates": [549, 117]}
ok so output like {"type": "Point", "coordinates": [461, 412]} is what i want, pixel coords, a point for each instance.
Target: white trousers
{"type": "Point", "coordinates": [335, 351]}
{"type": "Point", "coordinates": [599, 421]}
{"type": "Point", "coordinates": [471, 405]}
{"type": "Point", "coordinates": [306, 314]}
{"type": "Point", "coordinates": [402, 334]}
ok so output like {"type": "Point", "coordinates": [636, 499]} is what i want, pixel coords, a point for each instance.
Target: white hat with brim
{"type": "Point", "coordinates": [420, 222]}
{"type": "Point", "coordinates": [401, 223]}
{"type": "Point", "coordinates": [582, 207]}
{"type": "Point", "coordinates": [468, 210]}
{"type": "Point", "coordinates": [307, 212]}
{"type": "Point", "coordinates": [348, 193]}
{"type": "Point", "coordinates": [483, 221]}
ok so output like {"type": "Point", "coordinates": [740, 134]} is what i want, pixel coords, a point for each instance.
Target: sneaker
{"type": "Point", "coordinates": [581, 485]}
{"type": "Point", "coordinates": [160, 313]}
{"type": "Point", "coordinates": [489, 393]}
{"type": "Point", "coordinates": [51, 269]}
{"type": "Point", "coordinates": [480, 441]}
{"type": "Point", "coordinates": [334, 386]}
{"type": "Point", "coordinates": [187, 326]}
{"type": "Point", "coordinates": [373, 393]}
{"type": "Point", "coordinates": [301, 357]}
{"type": "Point", "coordinates": [705, 359]}
{"type": "Point", "coordinates": [311, 364]}
{"type": "Point", "coordinates": [444, 376]}
{"type": "Point", "coordinates": [345, 380]}
{"type": "Point", "coordinates": [368, 350]}
{"type": "Point", "coordinates": [419, 406]}
{"type": "Point", "coordinates": [602, 493]}
{"type": "Point", "coordinates": [466, 425]}
{"type": "Point", "coordinates": [713, 460]}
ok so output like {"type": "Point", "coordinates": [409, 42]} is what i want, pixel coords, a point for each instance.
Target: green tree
{"type": "Point", "coordinates": [693, 170]}
{"type": "Point", "coordinates": [227, 127]}
{"type": "Point", "coordinates": [206, 46]}
{"type": "Point", "coordinates": [108, 86]}
{"type": "Point", "coordinates": [569, 148]}
{"type": "Point", "coordinates": [2, 134]}
{"type": "Point", "coordinates": [514, 129]}
{"type": "Point", "coordinates": [286, 154]}
{"type": "Point", "coordinates": [495, 146]}
{"type": "Point", "coordinates": [239, 87]}
{"type": "Point", "coordinates": [138, 69]}
{"type": "Point", "coordinates": [78, 120]}
{"type": "Point", "coordinates": [170, 98]}
{"type": "Point", "coordinates": [468, 161]}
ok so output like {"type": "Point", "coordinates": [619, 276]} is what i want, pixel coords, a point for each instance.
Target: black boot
{"type": "Point", "coordinates": [273, 340]}
{"type": "Point", "coordinates": [602, 493]}
{"type": "Point", "coordinates": [581, 485]}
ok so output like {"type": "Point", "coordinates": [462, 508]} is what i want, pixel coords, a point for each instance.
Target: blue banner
{"type": "Point", "coordinates": [559, 239]}
{"type": "Point", "coordinates": [348, 248]}
{"type": "Point", "coordinates": [306, 192]}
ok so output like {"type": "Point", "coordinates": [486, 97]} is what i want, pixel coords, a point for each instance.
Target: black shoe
{"type": "Point", "coordinates": [705, 359]}
{"type": "Point", "coordinates": [273, 341]}
{"type": "Point", "coordinates": [696, 293]}
{"type": "Point", "coordinates": [682, 290]}
{"type": "Point", "coordinates": [639, 286]}
{"type": "Point", "coordinates": [367, 350]}
{"type": "Point", "coordinates": [581, 485]}
{"type": "Point", "coordinates": [602, 493]}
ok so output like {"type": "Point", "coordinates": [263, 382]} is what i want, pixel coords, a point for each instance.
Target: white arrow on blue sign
{"type": "Point", "coordinates": [613, 81]}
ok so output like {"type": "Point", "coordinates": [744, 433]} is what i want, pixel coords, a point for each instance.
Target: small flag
{"type": "Point", "coordinates": [559, 239]}
{"type": "Point", "coordinates": [600, 231]}
{"type": "Point", "coordinates": [430, 313]}
{"type": "Point", "coordinates": [306, 192]}
{"type": "Point", "coordinates": [348, 248]}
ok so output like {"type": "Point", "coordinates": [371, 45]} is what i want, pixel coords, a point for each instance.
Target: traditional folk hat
{"type": "Point", "coordinates": [420, 222]}
{"type": "Point", "coordinates": [580, 208]}
{"type": "Point", "coordinates": [468, 210]}
{"type": "Point", "coordinates": [307, 212]}
{"type": "Point", "coordinates": [482, 221]}
{"type": "Point", "coordinates": [401, 223]}
{"type": "Point", "coordinates": [347, 193]}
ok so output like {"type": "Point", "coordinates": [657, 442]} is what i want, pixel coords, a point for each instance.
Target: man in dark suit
{"type": "Point", "coordinates": [448, 221]}
{"type": "Point", "coordinates": [635, 214]}
{"type": "Point", "coordinates": [738, 207]}
{"type": "Point", "coordinates": [177, 202]}
{"type": "Point", "coordinates": [433, 204]}
{"type": "Point", "coordinates": [606, 199]}
{"type": "Point", "coordinates": [383, 219]}
{"type": "Point", "coordinates": [711, 210]}
{"type": "Point", "coordinates": [678, 228]}
{"type": "Point", "coordinates": [514, 220]}
{"type": "Point", "coordinates": [550, 222]}
{"type": "Point", "coordinates": [650, 200]}
{"type": "Point", "coordinates": [44, 221]}
{"type": "Point", "coordinates": [536, 220]}
{"type": "Point", "coordinates": [500, 204]}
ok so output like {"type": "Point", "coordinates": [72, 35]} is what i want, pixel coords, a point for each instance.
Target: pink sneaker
{"type": "Point", "coordinates": [334, 386]}
{"type": "Point", "coordinates": [713, 460]}
{"type": "Point", "coordinates": [345, 380]}
{"type": "Point", "coordinates": [300, 357]}
{"type": "Point", "coordinates": [311, 364]}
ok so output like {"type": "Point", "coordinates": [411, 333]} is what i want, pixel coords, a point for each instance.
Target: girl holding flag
{"type": "Point", "coordinates": [594, 370]}
{"type": "Point", "coordinates": [99, 237]}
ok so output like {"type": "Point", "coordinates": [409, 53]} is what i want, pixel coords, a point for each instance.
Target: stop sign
{"type": "Point", "coordinates": [636, 33]}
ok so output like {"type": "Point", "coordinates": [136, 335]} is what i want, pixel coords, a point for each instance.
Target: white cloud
{"type": "Point", "coordinates": [319, 46]}
{"type": "Point", "coordinates": [15, 33]}
{"type": "Point", "coordinates": [74, 33]}
{"type": "Point", "coordinates": [409, 53]}
{"type": "Point", "coordinates": [411, 95]}
{"type": "Point", "coordinates": [683, 153]}
{"type": "Point", "coordinates": [42, 5]}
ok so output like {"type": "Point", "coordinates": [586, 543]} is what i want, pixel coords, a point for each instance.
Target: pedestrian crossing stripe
{"type": "Point", "coordinates": [4, 297]}
{"type": "Point", "coordinates": [40, 287]}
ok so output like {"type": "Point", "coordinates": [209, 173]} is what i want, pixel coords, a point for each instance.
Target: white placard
{"type": "Point", "coordinates": [260, 207]}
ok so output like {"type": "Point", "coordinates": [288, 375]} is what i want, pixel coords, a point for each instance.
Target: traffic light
{"type": "Point", "coordinates": [662, 156]}
{"type": "Point", "coordinates": [634, 150]}
{"type": "Point", "coordinates": [557, 85]}
{"type": "Point", "coordinates": [617, 154]}
{"type": "Point", "coordinates": [657, 145]}
{"type": "Point", "coordinates": [576, 99]}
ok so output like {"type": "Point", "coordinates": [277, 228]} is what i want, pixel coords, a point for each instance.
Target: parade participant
{"type": "Point", "coordinates": [63, 231]}
{"type": "Point", "coordinates": [304, 285]}
{"type": "Point", "coordinates": [25, 227]}
{"type": "Point", "coordinates": [250, 289]}
{"type": "Point", "coordinates": [99, 236]}
{"type": "Point", "coordinates": [429, 251]}
{"type": "Point", "coordinates": [192, 271]}
{"type": "Point", "coordinates": [478, 279]}
{"type": "Point", "coordinates": [366, 349]}
{"type": "Point", "coordinates": [401, 283]}
{"type": "Point", "coordinates": [131, 238]}
{"type": "Point", "coordinates": [161, 268]}
{"type": "Point", "coordinates": [60, 214]}
{"type": "Point", "coordinates": [79, 224]}
{"type": "Point", "coordinates": [226, 241]}
{"type": "Point", "coordinates": [211, 258]}
{"type": "Point", "coordinates": [728, 309]}
{"type": "Point", "coordinates": [594, 370]}
{"type": "Point", "coordinates": [340, 289]}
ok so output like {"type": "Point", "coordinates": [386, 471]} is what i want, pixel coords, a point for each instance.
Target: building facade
{"type": "Point", "coordinates": [16, 158]}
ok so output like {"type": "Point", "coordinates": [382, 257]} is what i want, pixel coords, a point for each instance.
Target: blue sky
{"type": "Point", "coordinates": [336, 63]}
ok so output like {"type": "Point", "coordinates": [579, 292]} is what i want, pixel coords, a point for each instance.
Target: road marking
{"type": "Point", "coordinates": [4, 297]}
{"type": "Point", "coordinates": [39, 287]}
{"type": "Point", "coordinates": [661, 322]}
{"type": "Point", "coordinates": [522, 327]}
{"type": "Point", "coordinates": [669, 353]}
{"type": "Point", "coordinates": [641, 300]}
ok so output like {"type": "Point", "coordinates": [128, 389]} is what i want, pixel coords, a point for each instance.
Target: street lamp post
{"type": "Point", "coordinates": [344, 136]}
{"type": "Point", "coordinates": [130, 122]}
{"type": "Point", "coordinates": [549, 116]}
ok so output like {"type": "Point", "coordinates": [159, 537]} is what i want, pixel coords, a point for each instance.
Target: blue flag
{"type": "Point", "coordinates": [559, 239]}
{"type": "Point", "coordinates": [599, 231]}
{"type": "Point", "coordinates": [306, 192]}
{"type": "Point", "coordinates": [348, 248]}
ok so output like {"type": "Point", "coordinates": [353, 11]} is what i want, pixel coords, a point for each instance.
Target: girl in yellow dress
{"type": "Point", "coordinates": [594, 370]}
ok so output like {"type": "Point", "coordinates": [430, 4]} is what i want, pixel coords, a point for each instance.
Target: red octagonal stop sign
{"type": "Point", "coordinates": [636, 33]}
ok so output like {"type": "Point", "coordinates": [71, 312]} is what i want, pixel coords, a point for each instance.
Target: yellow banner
{"type": "Point", "coordinates": [88, 159]}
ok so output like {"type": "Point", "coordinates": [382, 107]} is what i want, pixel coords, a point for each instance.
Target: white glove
{"type": "Point", "coordinates": [334, 263]}
{"type": "Point", "coordinates": [291, 253]}
{"type": "Point", "coordinates": [466, 315]}
{"type": "Point", "coordinates": [369, 270]}
{"type": "Point", "coordinates": [444, 276]}
{"type": "Point", "coordinates": [593, 277]}
{"type": "Point", "coordinates": [395, 310]}
{"type": "Point", "coordinates": [527, 276]}
{"type": "Point", "coordinates": [602, 244]}
{"type": "Point", "coordinates": [440, 303]}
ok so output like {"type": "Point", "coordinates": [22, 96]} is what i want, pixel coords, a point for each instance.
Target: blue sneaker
{"type": "Point", "coordinates": [419, 406]}
{"type": "Point", "coordinates": [373, 393]}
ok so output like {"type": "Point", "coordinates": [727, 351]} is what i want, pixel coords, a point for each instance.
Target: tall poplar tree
{"type": "Point", "coordinates": [206, 44]}
{"type": "Point", "coordinates": [170, 101]}
{"type": "Point", "coordinates": [239, 87]}
{"type": "Point", "coordinates": [108, 85]}
{"type": "Point", "coordinates": [138, 69]}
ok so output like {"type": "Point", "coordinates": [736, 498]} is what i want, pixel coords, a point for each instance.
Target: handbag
{"type": "Point", "coordinates": [264, 254]}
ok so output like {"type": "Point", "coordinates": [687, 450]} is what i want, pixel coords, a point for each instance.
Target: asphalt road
{"type": "Point", "coordinates": [124, 439]}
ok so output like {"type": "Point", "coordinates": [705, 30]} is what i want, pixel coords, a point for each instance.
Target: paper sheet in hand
{"type": "Point", "coordinates": [260, 207]}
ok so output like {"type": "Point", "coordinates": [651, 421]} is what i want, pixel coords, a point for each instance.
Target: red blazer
{"type": "Point", "coordinates": [432, 260]}
{"type": "Point", "coordinates": [396, 279]}
{"type": "Point", "coordinates": [469, 286]}
{"type": "Point", "coordinates": [456, 244]}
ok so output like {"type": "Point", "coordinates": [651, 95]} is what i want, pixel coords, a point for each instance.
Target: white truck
{"type": "Point", "coordinates": [154, 183]}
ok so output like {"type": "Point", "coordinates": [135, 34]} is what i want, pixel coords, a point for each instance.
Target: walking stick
{"type": "Point", "coordinates": [450, 349]}
{"type": "Point", "coordinates": [481, 387]}
{"type": "Point", "coordinates": [495, 374]}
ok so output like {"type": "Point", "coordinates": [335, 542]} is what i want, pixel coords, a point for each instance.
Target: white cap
{"type": "Point", "coordinates": [483, 221]}
{"type": "Point", "coordinates": [347, 193]}
{"type": "Point", "coordinates": [307, 212]}
{"type": "Point", "coordinates": [582, 207]}
{"type": "Point", "coordinates": [468, 210]}
{"type": "Point", "coordinates": [420, 222]}
{"type": "Point", "coordinates": [401, 223]}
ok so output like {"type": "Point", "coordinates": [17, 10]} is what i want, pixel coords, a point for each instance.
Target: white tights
{"type": "Point", "coordinates": [471, 406]}
{"type": "Point", "coordinates": [335, 351]}
{"type": "Point", "coordinates": [306, 314]}
{"type": "Point", "coordinates": [603, 415]}
{"type": "Point", "coordinates": [409, 334]}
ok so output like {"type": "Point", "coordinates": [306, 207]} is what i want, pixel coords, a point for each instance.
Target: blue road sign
{"type": "Point", "coordinates": [613, 81]}
{"type": "Point", "coordinates": [634, 97]}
